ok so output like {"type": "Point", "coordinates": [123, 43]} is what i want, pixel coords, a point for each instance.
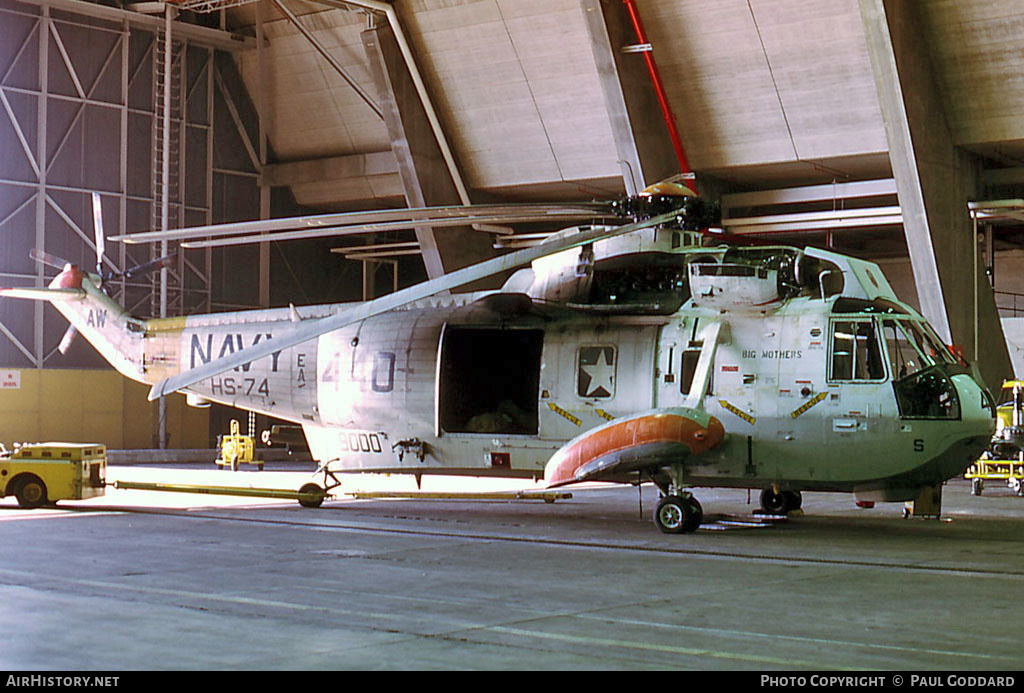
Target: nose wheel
{"type": "Point", "coordinates": [678, 514]}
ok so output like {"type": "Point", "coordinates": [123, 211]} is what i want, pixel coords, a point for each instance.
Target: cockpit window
{"type": "Point", "coordinates": [917, 356]}
{"type": "Point", "coordinates": [855, 351]}
{"type": "Point", "coordinates": [904, 359]}
{"type": "Point", "coordinates": [912, 347]}
{"type": "Point", "coordinates": [930, 343]}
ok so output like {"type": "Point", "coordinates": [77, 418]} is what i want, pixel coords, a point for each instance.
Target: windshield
{"type": "Point", "coordinates": [928, 342]}
{"type": "Point", "coordinates": [912, 347]}
{"type": "Point", "coordinates": [919, 364]}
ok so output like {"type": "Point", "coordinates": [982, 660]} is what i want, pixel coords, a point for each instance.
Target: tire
{"type": "Point", "coordinates": [696, 515]}
{"type": "Point", "coordinates": [673, 515]}
{"type": "Point", "coordinates": [774, 503]}
{"type": "Point", "coordinates": [794, 500]}
{"type": "Point", "coordinates": [977, 487]}
{"type": "Point", "coordinates": [31, 492]}
{"type": "Point", "coordinates": [311, 489]}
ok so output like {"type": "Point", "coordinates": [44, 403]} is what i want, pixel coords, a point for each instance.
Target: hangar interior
{"type": "Point", "coordinates": [866, 126]}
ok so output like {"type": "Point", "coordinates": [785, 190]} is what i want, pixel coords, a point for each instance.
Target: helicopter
{"type": "Point", "coordinates": [641, 345]}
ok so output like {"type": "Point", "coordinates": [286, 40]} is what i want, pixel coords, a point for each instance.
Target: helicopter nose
{"type": "Point", "coordinates": [977, 412]}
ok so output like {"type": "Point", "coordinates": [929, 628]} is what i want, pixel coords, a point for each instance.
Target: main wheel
{"type": "Point", "coordinates": [779, 503]}
{"type": "Point", "coordinates": [674, 515]}
{"type": "Point", "coordinates": [696, 515]}
{"type": "Point", "coordinates": [31, 492]}
{"type": "Point", "coordinates": [794, 500]}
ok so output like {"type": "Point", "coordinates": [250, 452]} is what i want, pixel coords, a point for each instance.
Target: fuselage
{"type": "Point", "coordinates": [833, 385]}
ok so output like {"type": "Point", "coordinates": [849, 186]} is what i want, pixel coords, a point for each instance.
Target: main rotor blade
{"type": "Point", "coordinates": [377, 227]}
{"type": "Point", "coordinates": [468, 214]}
{"type": "Point", "coordinates": [312, 329]}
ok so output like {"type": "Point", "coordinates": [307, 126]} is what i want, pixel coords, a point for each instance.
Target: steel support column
{"type": "Point", "coordinates": [421, 165]}
{"type": "Point", "coordinates": [934, 181]}
{"type": "Point", "coordinates": [644, 147]}
{"type": "Point", "coordinates": [41, 158]}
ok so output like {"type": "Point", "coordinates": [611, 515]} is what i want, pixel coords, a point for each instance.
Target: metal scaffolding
{"type": "Point", "coordinates": [77, 115]}
{"type": "Point", "coordinates": [209, 5]}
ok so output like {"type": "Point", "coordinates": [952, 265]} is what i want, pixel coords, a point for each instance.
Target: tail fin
{"type": "Point", "coordinates": [115, 334]}
{"type": "Point", "coordinates": [79, 297]}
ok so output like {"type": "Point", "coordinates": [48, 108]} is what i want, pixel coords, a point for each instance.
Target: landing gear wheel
{"type": "Point", "coordinates": [31, 492]}
{"type": "Point", "coordinates": [794, 500]}
{"type": "Point", "coordinates": [773, 503]}
{"type": "Point", "coordinates": [977, 487]}
{"type": "Point", "coordinates": [696, 515]}
{"type": "Point", "coordinates": [317, 496]}
{"type": "Point", "coordinates": [677, 515]}
{"type": "Point", "coordinates": [781, 503]}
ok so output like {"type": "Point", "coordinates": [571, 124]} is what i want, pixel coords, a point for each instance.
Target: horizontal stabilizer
{"type": "Point", "coordinates": [44, 294]}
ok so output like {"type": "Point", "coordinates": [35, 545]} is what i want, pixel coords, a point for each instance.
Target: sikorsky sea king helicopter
{"type": "Point", "coordinates": [638, 346]}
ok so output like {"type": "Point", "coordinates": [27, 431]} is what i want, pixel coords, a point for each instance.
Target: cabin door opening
{"type": "Point", "coordinates": [489, 380]}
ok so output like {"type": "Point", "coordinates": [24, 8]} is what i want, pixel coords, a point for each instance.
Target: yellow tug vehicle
{"type": "Point", "coordinates": [40, 474]}
{"type": "Point", "coordinates": [1004, 459]}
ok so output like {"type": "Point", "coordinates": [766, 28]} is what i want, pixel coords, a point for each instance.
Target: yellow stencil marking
{"type": "Point", "coordinates": [604, 415]}
{"type": "Point", "coordinates": [564, 414]}
{"type": "Point", "coordinates": [738, 412]}
{"type": "Point", "coordinates": [808, 404]}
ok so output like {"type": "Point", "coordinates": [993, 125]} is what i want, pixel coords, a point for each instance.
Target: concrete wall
{"type": "Point", "coordinates": [1009, 280]}
{"type": "Point", "coordinates": [1014, 330]}
{"type": "Point", "coordinates": [92, 406]}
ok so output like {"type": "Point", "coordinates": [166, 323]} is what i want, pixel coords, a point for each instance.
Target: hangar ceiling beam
{"type": "Point", "coordinates": [934, 181]}
{"type": "Point", "coordinates": [200, 35]}
{"type": "Point", "coordinates": [331, 168]}
{"type": "Point", "coordinates": [643, 145]}
{"type": "Point", "coordinates": [421, 163]}
{"type": "Point", "coordinates": [322, 50]}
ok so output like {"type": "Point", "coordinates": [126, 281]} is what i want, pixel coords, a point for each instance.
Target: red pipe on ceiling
{"type": "Point", "coordinates": [659, 89]}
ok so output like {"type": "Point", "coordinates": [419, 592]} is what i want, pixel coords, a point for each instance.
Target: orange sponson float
{"type": "Point", "coordinates": [649, 438]}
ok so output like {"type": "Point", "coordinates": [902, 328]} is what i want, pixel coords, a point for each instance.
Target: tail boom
{"type": "Point", "coordinates": [116, 335]}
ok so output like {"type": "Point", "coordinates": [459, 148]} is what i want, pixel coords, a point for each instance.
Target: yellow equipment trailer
{"type": "Point", "coordinates": [41, 473]}
{"type": "Point", "coordinates": [236, 449]}
{"type": "Point", "coordinates": [1004, 459]}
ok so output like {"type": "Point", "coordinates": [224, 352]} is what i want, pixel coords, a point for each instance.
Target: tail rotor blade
{"type": "Point", "coordinates": [97, 225]}
{"type": "Point", "coordinates": [159, 263]}
{"type": "Point", "coordinates": [67, 340]}
{"type": "Point", "coordinates": [48, 259]}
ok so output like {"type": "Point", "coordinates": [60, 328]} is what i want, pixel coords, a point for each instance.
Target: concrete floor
{"type": "Point", "coordinates": [146, 581]}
